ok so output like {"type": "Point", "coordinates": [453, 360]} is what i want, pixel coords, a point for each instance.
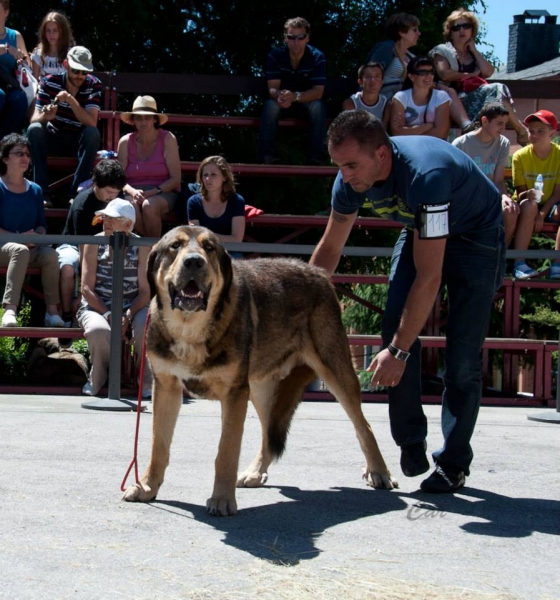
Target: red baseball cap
{"type": "Point", "coordinates": [545, 116]}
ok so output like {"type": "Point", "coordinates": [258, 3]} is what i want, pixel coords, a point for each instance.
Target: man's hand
{"type": "Point", "coordinates": [285, 98]}
{"type": "Point", "coordinates": [31, 232]}
{"type": "Point", "coordinates": [387, 370]}
{"type": "Point", "coordinates": [539, 223]}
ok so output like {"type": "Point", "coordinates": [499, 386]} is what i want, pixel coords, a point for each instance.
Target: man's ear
{"type": "Point", "coordinates": [65, 64]}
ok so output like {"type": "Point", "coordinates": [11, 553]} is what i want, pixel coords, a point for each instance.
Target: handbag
{"type": "Point", "coordinates": [27, 83]}
{"type": "Point", "coordinates": [469, 84]}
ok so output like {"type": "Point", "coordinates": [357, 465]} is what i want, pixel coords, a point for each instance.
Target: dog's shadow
{"type": "Point", "coordinates": [286, 532]}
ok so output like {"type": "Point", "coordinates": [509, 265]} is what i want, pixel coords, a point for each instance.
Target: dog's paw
{"type": "Point", "coordinates": [252, 479]}
{"type": "Point", "coordinates": [380, 481]}
{"type": "Point", "coordinates": [139, 493]}
{"type": "Point", "coordinates": [220, 506]}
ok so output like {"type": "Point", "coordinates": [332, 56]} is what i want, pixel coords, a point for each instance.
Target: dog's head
{"type": "Point", "coordinates": [186, 267]}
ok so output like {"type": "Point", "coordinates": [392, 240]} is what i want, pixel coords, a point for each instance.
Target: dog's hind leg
{"type": "Point", "coordinates": [338, 373]}
{"type": "Point", "coordinates": [167, 400]}
{"type": "Point", "coordinates": [275, 402]}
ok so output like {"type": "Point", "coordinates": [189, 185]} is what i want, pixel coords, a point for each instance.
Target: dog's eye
{"type": "Point", "coordinates": [176, 245]}
{"type": "Point", "coordinates": [208, 247]}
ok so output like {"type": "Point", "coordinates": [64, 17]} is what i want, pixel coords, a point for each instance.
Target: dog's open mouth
{"type": "Point", "coordinates": [190, 299]}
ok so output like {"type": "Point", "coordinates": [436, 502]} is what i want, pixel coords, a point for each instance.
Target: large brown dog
{"type": "Point", "coordinates": [260, 329]}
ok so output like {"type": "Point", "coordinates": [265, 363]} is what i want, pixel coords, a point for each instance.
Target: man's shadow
{"type": "Point", "coordinates": [288, 532]}
{"type": "Point", "coordinates": [505, 516]}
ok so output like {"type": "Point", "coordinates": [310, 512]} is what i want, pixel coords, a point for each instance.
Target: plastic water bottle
{"type": "Point", "coordinates": [539, 185]}
{"type": "Point", "coordinates": [106, 154]}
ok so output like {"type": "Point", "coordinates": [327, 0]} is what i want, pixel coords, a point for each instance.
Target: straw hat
{"type": "Point", "coordinates": [143, 105]}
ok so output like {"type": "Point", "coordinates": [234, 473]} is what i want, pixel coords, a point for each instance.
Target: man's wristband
{"type": "Point", "coordinates": [398, 353]}
{"type": "Point", "coordinates": [106, 315]}
{"type": "Point", "coordinates": [298, 96]}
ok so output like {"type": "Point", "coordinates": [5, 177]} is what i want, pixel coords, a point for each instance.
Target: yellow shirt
{"type": "Point", "coordinates": [526, 166]}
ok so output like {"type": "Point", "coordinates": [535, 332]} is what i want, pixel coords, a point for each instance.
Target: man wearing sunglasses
{"type": "Point", "coordinates": [65, 119]}
{"type": "Point", "coordinates": [296, 76]}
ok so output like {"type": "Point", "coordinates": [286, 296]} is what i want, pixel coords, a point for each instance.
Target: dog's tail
{"type": "Point", "coordinates": [288, 396]}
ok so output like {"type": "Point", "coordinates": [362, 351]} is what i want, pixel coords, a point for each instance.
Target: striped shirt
{"type": "Point", "coordinates": [311, 71]}
{"type": "Point", "coordinates": [104, 275]}
{"type": "Point", "coordinates": [88, 96]}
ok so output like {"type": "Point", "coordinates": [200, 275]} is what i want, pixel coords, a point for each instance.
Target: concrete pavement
{"type": "Point", "coordinates": [315, 530]}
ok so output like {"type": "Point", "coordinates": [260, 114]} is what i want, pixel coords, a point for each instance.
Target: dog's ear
{"type": "Point", "coordinates": [151, 270]}
{"type": "Point", "coordinates": [227, 271]}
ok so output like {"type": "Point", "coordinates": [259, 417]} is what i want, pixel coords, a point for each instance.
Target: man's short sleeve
{"type": "Point", "coordinates": [94, 94]}
{"type": "Point", "coordinates": [319, 73]}
{"type": "Point", "coordinates": [273, 65]}
{"type": "Point", "coordinates": [344, 200]}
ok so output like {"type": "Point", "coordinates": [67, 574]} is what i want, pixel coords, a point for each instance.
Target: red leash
{"type": "Point", "coordinates": [134, 462]}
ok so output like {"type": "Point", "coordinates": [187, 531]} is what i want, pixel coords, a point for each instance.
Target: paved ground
{"type": "Point", "coordinates": [315, 531]}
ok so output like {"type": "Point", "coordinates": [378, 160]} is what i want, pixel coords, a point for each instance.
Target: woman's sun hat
{"type": "Point", "coordinates": [143, 105]}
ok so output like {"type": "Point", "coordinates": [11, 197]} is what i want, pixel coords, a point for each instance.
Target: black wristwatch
{"type": "Point", "coordinates": [398, 353]}
{"type": "Point", "coordinates": [159, 190]}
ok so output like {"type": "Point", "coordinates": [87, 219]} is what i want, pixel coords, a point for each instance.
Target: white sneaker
{"type": "Point", "coordinates": [9, 319]}
{"type": "Point", "coordinates": [87, 390]}
{"type": "Point", "coordinates": [53, 320]}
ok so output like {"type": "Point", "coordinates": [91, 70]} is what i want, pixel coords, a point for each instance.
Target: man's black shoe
{"type": "Point", "coordinates": [443, 482]}
{"type": "Point", "coordinates": [413, 459]}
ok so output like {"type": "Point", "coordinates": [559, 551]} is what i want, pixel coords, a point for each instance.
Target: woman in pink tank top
{"type": "Point", "coordinates": [150, 158]}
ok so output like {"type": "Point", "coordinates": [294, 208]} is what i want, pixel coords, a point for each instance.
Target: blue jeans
{"type": "Point", "coordinates": [83, 143]}
{"type": "Point", "coordinates": [473, 269]}
{"type": "Point", "coordinates": [314, 111]}
{"type": "Point", "coordinates": [13, 108]}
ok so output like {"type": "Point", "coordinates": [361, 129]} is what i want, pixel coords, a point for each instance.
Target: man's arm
{"type": "Point", "coordinates": [86, 116]}
{"type": "Point", "coordinates": [274, 88]}
{"type": "Point", "coordinates": [428, 260]}
{"type": "Point", "coordinates": [328, 251]}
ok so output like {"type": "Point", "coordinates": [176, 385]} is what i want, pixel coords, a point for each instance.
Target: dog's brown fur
{"type": "Point", "coordinates": [260, 329]}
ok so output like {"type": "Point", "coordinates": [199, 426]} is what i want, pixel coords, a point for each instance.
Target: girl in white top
{"type": "Point", "coordinates": [55, 39]}
{"type": "Point", "coordinates": [421, 109]}
{"type": "Point", "coordinates": [370, 78]}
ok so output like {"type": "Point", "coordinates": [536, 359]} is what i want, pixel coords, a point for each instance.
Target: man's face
{"type": "Point", "coordinates": [105, 194]}
{"type": "Point", "coordinates": [372, 80]}
{"type": "Point", "coordinates": [76, 76]}
{"type": "Point", "coordinates": [540, 134]}
{"type": "Point", "coordinates": [359, 168]}
{"type": "Point", "coordinates": [496, 126]}
{"type": "Point", "coordinates": [296, 38]}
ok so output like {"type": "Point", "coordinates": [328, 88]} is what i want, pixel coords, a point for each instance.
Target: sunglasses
{"type": "Point", "coordinates": [19, 154]}
{"type": "Point", "coordinates": [424, 72]}
{"type": "Point", "coordinates": [78, 72]}
{"type": "Point", "coordinates": [460, 26]}
{"type": "Point", "coordinates": [299, 37]}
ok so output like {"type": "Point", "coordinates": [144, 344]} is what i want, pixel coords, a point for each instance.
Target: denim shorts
{"type": "Point", "coordinates": [68, 255]}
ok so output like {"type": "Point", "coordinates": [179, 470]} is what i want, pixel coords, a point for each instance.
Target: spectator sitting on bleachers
{"type": "Point", "coordinates": [55, 39]}
{"type": "Point", "coordinates": [370, 78]}
{"type": "Point", "coordinates": [394, 54]}
{"type": "Point", "coordinates": [490, 151]}
{"type": "Point", "coordinates": [22, 211]}
{"type": "Point", "coordinates": [150, 158]}
{"type": "Point", "coordinates": [296, 75]}
{"type": "Point", "coordinates": [461, 66]}
{"type": "Point", "coordinates": [13, 101]}
{"type": "Point", "coordinates": [94, 314]}
{"type": "Point", "coordinates": [419, 108]}
{"type": "Point", "coordinates": [108, 181]}
{"type": "Point", "coordinates": [65, 119]}
{"type": "Point", "coordinates": [218, 207]}
{"type": "Point", "coordinates": [540, 157]}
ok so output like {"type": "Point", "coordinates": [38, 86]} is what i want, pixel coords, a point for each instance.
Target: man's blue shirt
{"type": "Point", "coordinates": [427, 171]}
{"type": "Point", "coordinates": [311, 71]}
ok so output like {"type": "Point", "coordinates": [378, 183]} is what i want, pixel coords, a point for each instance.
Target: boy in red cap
{"type": "Point", "coordinates": [540, 157]}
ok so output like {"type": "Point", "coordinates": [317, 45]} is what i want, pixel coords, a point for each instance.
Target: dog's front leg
{"type": "Point", "coordinates": [234, 411]}
{"type": "Point", "coordinates": [166, 402]}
